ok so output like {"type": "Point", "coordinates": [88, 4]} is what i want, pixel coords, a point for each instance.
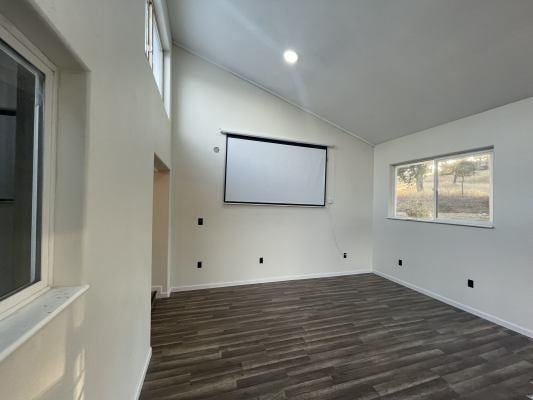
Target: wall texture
{"type": "Point", "coordinates": [440, 258]}
{"type": "Point", "coordinates": [294, 241]}
{"type": "Point", "coordinates": [111, 121]}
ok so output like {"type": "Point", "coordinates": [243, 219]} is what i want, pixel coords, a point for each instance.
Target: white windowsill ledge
{"type": "Point", "coordinates": [444, 222]}
{"type": "Point", "coordinates": [18, 327]}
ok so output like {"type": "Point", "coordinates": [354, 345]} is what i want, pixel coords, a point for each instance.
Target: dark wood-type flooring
{"type": "Point", "coordinates": [353, 337]}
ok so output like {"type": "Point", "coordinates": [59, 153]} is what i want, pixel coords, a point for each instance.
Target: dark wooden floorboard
{"type": "Point", "coordinates": [352, 337]}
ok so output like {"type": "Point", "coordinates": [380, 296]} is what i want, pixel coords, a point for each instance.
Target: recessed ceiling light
{"type": "Point", "coordinates": [290, 56]}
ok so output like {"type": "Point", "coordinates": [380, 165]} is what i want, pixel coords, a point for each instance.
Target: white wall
{"type": "Point", "coordinates": [440, 258]}
{"type": "Point", "coordinates": [294, 241]}
{"type": "Point", "coordinates": [111, 122]}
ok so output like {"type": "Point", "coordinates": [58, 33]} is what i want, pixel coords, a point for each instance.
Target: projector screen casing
{"type": "Point", "coordinates": [229, 177]}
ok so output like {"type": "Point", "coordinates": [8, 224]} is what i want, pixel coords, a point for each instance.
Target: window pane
{"type": "Point", "coordinates": [157, 58]}
{"type": "Point", "coordinates": [464, 188]}
{"type": "Point", "coordinates": [414, 191]}
{"type": "Point", "coordinates": [147, 29]}
{"type": "Point", "coordinates": [20, 126]}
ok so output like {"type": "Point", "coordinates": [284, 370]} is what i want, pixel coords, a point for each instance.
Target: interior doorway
{"type": "Point", "coordinates": [160, 228]}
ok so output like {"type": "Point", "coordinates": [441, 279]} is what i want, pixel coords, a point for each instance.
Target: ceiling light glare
{"type": "Point", "coordinates": [290, 56]}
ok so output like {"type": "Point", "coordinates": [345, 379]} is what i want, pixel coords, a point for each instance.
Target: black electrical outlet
{"type": "Point", "coordinates": [345, 255]}
{"type": "Point", "coordinates": [200, 221]}
{"type": "Point", "coordinates": [260, 260]}
{"type": "Point", "coordinates": [400, 262]}
{"type": "Point", "coordinates": [199, 264]}
{"type": "Point", "coordinates": [470, 283]}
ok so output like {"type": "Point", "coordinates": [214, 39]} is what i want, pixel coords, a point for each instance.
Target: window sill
{"type": "Point", "coordinates": [22, 324]}
{"type": "Point", "coordinates": [445, 222]}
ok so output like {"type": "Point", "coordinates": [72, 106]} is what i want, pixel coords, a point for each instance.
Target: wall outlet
{"type": "Point", "coordinates": [199, 264]}
{"type": "Point", "coordinates": [345, 255]}
{"type": "Point", "coordinates": [260, 260]}
{"type": "Point", "coordinates": [200, 221]}
{"type": "Point", "coordinates": [470, 283]}
{"type": "Point", "coordinates": [400, 262]}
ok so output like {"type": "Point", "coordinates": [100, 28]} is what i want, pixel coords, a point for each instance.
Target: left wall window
{"type": "Point", "coordinates": [153, 47]}
{"type": "Point", "coordinates": [27, 170]}
{"type": "Point", "coordinates": [21, 141]}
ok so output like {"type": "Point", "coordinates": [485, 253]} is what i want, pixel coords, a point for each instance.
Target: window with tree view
{"type": "Point", "coordinates": [446, 189]}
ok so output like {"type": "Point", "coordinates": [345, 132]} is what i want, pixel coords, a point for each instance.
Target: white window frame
{"type": "Point", "coordinates": [148, 30]}
{"type": "Point", "coordinates": [435, 217]}
{"type": "Point", "coordinates": [13, 38]}
{"type": "Point", "coordinates": [159, 80]}
{"type": "Point", "coordinates": [151, 31]}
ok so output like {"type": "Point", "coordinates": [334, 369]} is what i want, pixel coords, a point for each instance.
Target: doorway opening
{"type": "Point", "coordinates": [160, 230]}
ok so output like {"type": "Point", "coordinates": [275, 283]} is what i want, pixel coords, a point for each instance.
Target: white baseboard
{"type": "Point", "coordinates": [143, 376]}
{"type": "Point", "coordinates": [159, 292]}
{"type": "Point", "coordinates": [461, 306]}
{"type": "Point", "coordinates": [186, 288]}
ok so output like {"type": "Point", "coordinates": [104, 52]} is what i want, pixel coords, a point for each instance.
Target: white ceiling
{"type": "Point", "coordinates": [380, 69]}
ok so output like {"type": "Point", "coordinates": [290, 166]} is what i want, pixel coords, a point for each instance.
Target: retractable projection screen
{"type": "Point", "coordinates": [268, 171]}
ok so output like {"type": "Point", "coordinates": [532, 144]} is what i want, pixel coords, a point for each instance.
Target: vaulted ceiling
{"type": "Point", "coordinates": [379, 69]}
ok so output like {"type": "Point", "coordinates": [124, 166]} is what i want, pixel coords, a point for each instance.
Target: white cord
{"type": "Point", "coordinates": [332, 226]}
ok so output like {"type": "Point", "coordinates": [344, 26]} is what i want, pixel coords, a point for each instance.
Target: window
{"type": "Point", "coordinates": [414, 190]}
{"type": "Point", "coordinates": [451, 189]}
{"type": "Point", "coordinates": [153, 47]}
{"type": "Point", "coordinates": [25, 180]}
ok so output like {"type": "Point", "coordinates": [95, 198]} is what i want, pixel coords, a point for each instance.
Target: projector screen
{"type": "Point", "coordinates": [268, 171]}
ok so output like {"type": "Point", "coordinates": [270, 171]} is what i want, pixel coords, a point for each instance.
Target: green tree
{"type": "Point", "coordinates": [462, 170]}
{"type": "Point", "coordinates": [414, 173]}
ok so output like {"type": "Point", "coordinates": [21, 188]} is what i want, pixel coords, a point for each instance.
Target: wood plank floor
{"type": "Point", "coordinates": [354, 337]}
